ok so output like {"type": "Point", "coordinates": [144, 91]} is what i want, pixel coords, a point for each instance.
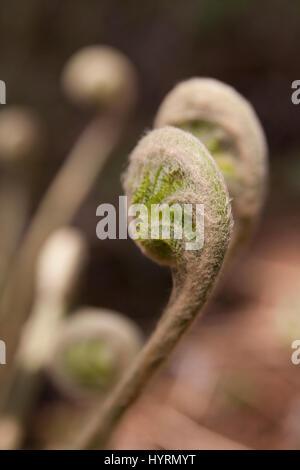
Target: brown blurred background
{"type": "Point", "coordinates": [251, 45]}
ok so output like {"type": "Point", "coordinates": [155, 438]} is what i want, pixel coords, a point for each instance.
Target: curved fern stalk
{"type": "Point", "coordinates": [170, 166]}
{"type": "Point", "coordinates": [104, 78]}
{"type": "Point", "coordinates": [58, 270]}
{"type": "Point", "coordinates": [21, 138]}
{"type": "Point", "coordinates": [228, 126]}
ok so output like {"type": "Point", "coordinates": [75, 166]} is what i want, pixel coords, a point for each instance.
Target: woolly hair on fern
{"type": "Point", "coordinates": [170, 166]}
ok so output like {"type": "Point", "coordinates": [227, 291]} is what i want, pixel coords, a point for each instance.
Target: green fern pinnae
{"type": "Point", "coordinates": [165, 183]}
{"type": "Point", "coordinates": [171, 166]}
{"type": "Point", "coordinates": [219, 144]}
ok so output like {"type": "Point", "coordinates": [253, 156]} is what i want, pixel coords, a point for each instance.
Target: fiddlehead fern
{"type": "Point", "coordinates": [187, 174]}
{"type": "Point", "coordinates": [55, 284]}
{"type": "Point", "coordinates": [227, 125]}
{"type": "Point", "coordinates": [100, 76]}
{"type": "Point", "coordinates": [83, 78]}
{"type": "Point", "coordinates": [91, 352]}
